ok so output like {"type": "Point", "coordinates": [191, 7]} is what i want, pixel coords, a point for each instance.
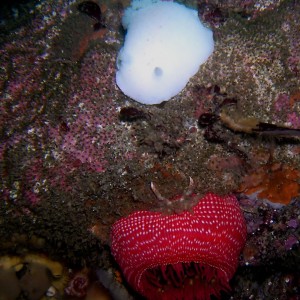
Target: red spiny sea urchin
{"type": "Point", "coordinates": [191, 255]}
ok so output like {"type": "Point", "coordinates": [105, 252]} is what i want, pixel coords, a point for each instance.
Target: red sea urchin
{"type": "Point", "coordinates": [191, 255]}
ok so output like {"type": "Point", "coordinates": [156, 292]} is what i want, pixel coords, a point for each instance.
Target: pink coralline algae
{"type": "Point", "coordinates": [81, 140]}
{"type": "Point", "coordinates": [285, 108]}
{"type": "Point", "coordinates": [290, 242]}
{"type": "Point", "coordinates": [282, 102]}
{"type": "Point", "coordinates": [89, 118]}
{"type": "Point", "coordinates": [91, 114]}
{"type": "Point", "coordinates": [58, 116]}
{"type": "Point", "coordinates": [190, 255]}
{"type": "Point", "coordinates": [294, 119]}
{"type": "Point", "coordinates": [77, 139]}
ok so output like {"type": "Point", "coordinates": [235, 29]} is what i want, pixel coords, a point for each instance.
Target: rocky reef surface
{"type": "Point", "coordinates": [76, 154]}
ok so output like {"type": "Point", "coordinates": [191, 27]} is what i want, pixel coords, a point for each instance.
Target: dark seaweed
{"type": "Point", "coordinates": [93, 10]}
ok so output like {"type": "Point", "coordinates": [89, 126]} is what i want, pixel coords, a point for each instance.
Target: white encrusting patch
{"type": "Point", "coordinates": [164, 46]}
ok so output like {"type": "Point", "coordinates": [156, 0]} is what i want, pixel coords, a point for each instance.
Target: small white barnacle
{"type": "Point", "coordinates": [51, 291]}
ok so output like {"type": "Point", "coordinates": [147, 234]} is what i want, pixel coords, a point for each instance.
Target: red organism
{"type": "Point", "coordinates": [190, 255]}
{"type": "Point", "coordinates": [78, 284]}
